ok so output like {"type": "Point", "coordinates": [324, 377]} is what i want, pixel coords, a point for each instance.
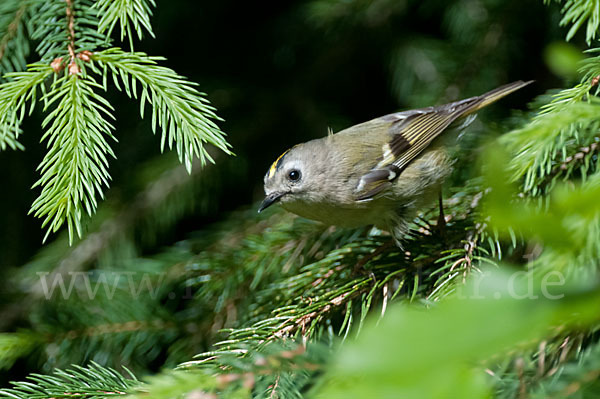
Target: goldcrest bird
{"type": "Point", "coordinates": [378, 172]}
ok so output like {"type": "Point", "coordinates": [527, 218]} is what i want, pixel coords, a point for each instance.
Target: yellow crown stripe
{"type": "Point", "coordinates": [276, 163]}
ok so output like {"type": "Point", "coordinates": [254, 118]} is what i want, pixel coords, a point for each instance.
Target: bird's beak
{"type": "Point", "coordinates": [269, 200]}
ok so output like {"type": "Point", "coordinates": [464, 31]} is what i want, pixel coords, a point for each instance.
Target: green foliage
{"type": "Point", "coordinates": [127, 15]}
{"type": "Point", "coordinates": [563, 59]}
{"type": "Point", "coordinates": [114, 306]}
{"type": "Point", "coordinates": [276, 306]}
{"type": "Point", "coordinates": [76, 166]}
{"type": "Point", "coordinates": [329, 281]}
{"type": "Point", "coordinates": [566, 204]}
{"type": "Point", "coordinates": [577, 379]}
{"type": "Point", "coordinates": [578, 12]}
{"type": "Point", "coordinates": [14, 95]}
{"type": "Point", "coordinates": [65, 28]}
{"type": "Point", "coordinates": [181, 112]}
{"type": "Point", "coordinates": [15, 346]}
{"type": "Point", "coordinates": [84, 315]}
{"type": "Point", "coordinates": [543, 150]}
{"type": "Point", "coordinates": [91, 382]}
{"type": "Point", "coordinates": [561, 142]}
{"type": "Point", "coordinates": [73, 43]}
{"type": "Point", "coordinates": [182, 384]}
{"type": "Point", "coordinates": [464, 334]}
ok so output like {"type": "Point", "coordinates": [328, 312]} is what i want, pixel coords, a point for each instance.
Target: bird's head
{"type": "Point", "coordinates": [293, 177]}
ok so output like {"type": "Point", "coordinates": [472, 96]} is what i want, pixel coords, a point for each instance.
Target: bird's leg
{"type": "Point", "coordinates": [441, 221]}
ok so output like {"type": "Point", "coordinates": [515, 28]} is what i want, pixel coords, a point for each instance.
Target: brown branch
{"type": "Point", "coordinates": [71, 25]}
{"type": "Point", "coordinates": [274, 387]}
{"type": "Point", "coordinates": [301, 322]}
{"type": "Point", "coordinates": [117, 328]}
{"type": "Point", "coordinates": [565, 349]}
{"type": "Point", "coordinates": [73, 67]}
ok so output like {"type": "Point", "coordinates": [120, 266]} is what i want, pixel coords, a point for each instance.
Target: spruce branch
{"type": "Point", "coordinates": [183, 114]}
{"type": "Point", "coordinates": [580, 161]}
{"type": "Point", "coordinates": [112, 233]}
{"type": "Point", "coordinates": [549, 140]}
{"type": "Point", "coordinates": [76, 166]}
{"type": "Point", "coordinates": [561, 140]}
{"type": "Point", "coordinates": [282, 369]}
{"type": "Point", "coordinates": [462, 335]}
{"type": "Point", "coordinates": [11, 30]}
{"type": "Point", "coordinates": [460, 262]}
{"type": "Point", "coordinates": [72, 36]}
{"type": "Point", "coordinates": [590, 71]}
{"type": "Point", "coordinates": [90, 382]}
{"type": "Point", "coordinates": [577, 378]}
{"type": "Point", "coordinates": [18, 97]}
{"type": "Point", "coordinates": [126, 13]}
{"type": "Point", "coordinates": [578, 12]}
{"type": "Point", "coordinates": [73, 67]}
{"type": "Point", "coordinates": [542, 372]}
{"type": "Point", "coordinates": [66, 27]}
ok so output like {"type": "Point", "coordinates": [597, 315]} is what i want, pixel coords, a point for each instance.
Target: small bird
{"type": "Point", "coordinates": [378, 172]}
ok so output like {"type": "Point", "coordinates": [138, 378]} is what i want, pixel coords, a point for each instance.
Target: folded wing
{"type": "Point", "coordinates": [413, 131]}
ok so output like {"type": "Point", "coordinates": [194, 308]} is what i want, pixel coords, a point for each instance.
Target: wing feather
{"type": "Point", "coordinates": [411, 134]}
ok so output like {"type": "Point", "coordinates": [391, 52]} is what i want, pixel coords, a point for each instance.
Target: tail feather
{"type": "Point", "coordinates": [494, 95]}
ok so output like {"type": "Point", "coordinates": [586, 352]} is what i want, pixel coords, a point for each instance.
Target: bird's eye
{"type": "Point", "coordinates": [294, 175]}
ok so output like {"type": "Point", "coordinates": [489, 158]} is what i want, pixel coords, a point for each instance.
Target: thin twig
{"type": "Point", "coordinates": [520, 364]}
{"type": "Point", "coordinates": [73, 67]}
{"type": "Point", "coordinates": [273, 393]}
{"type": "Point", "coordinates": [542, 359]}
{"type": "Point", "coordinates": [578, 157]}
{"type": "Point", "coordinates": [116, 328]}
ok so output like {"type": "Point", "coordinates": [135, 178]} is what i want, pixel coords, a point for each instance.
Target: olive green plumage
{"type": "Point", "coordinates": [374, 173]}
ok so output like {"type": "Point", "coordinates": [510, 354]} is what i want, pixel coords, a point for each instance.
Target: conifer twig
{"type": "Point", "coordinates": [73, 67]}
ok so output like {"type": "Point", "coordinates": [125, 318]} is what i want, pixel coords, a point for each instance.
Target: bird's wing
{"type": "Point", "coordinates": [411, 132]}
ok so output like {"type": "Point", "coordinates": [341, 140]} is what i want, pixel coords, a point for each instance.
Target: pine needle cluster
{"type": "Point", "coordinates": [77, 64]}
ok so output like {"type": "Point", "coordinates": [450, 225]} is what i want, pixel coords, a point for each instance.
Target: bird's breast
{"type": "Point", "coordinates": [343, 215]}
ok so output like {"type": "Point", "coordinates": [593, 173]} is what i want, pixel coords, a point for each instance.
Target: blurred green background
{"type": "Point", "coordinates": [283, 74]}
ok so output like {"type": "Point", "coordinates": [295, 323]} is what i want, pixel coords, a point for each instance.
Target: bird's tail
{"type": "Point", "coordinates": [492, 96]}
